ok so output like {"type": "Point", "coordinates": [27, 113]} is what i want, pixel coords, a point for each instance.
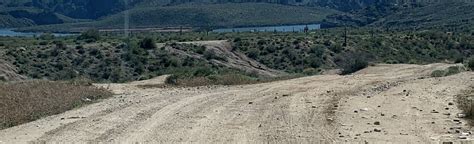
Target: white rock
{"type": "Point", "coordinates": [461, 115]}
{"type": "Point", "coordinates": [364, 109]}
{"type": "Point", "coordinates": [464, 134]}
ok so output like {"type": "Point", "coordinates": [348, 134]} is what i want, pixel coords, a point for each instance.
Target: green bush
{"type": "Point", "coordinates": [355, 65]}
{"type": "Point", "coordinates": [90, 35]}
{"type": "Point", "coordinates": [147, 43]}
{"type": "Point", "coordinates": [438, 73]}
{"type": "Point", "coordinates": [46, 36]}
{"type": "Point", "coordinates": [452, 70]}
{"type": "Point", "coordinates": [470, 64]}
{"type": "Point", "coordinates": [172, 80]}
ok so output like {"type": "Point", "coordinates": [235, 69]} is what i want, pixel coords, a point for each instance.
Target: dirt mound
{"type": "Point", "coordinates": [9, 72]}
{"type": "Point", "coordinates": [233, 59]}
{"type": "Point", "coordinates": [380, 104]}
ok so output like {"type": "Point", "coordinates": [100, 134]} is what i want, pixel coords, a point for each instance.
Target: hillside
{"type": "Point", "coordinates": [454, 16]}
{"type": "Point", "coordinates": [205, 15]}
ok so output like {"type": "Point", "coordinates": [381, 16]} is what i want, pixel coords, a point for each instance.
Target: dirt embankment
{"type": "Point", "coordinates": [9, 72]}
{"type": "Point", "coordinates": [233, 59]}
{"type": "Point", "coordinates": [380, 104]}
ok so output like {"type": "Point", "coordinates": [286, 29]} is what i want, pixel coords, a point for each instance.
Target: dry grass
{"type": "Point", "coordinates": [465, 102]}
{"type": "Point", "coordinates": [23, 102]}
{"type": "Point", "coordinates": [226, 79]}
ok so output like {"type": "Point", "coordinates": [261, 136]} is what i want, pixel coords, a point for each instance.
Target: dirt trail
{"type": "Point", "coordinates": [305, 110]}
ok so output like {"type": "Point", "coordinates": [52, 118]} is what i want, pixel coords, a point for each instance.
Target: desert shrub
{"type": "Point", "coordinates": [465, 102]}
{"type": "Point", "coordinates": [43, 43]}
{"type": "Point", "coordinates": [253, 53]}
{"type": "Point", "coordinates": [172, 80]}
{"type": "Point", "coordinates": [89, 35]}
{"type": "Point", "coordinates": [353, 64]}
{"type": "Point", "coordinates": [452, 70]}
{"type": "Point", "coordinates": [147, 43]}
{"type": "Point", "coordinates": [60, 44]}
{"type": "Point", "coordinates": [200, 49]}
{"type": "Point", "coordinates": [470, 64]}
{"type": "Point", "coordinates": [438, 73]}
{"type": "Point", "coordinates": [2, 44]}
{"type": "Point", "coordinates": [311, 71]}
{"type": "Point", "coordinates": [211, 54]}
{"type": "Point", "coordinates": [46, 36]}
{"type": "Point", "coordinates": [201, 72]}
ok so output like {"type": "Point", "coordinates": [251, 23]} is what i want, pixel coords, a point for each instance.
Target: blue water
{"type": "Point", "coordinates": [289, 28]}
{"type": "Point", "coordinates": [11, 33]}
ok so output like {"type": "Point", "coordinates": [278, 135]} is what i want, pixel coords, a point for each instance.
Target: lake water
{"type": "Point", "coordinates": [289, 28]}
{"type": "Point", "coordinates": [11, 33]}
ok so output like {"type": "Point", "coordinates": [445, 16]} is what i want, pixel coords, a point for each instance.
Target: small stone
{"type": "Point", "coordinates": [377, 123]}
{"type": "Point", "coordinates": [382, 114]}
{"type": "Point", "coordinates": [313, 106]}
{"type": "Point", "coordinates": [377, 130]}
{"type": "Point", "coordinates": [366, 131]}
{"type": "Point", "coordinates": [462, 137]}
{"type": "Point", "coordinates": [432, 122]}
{"type": "Point", "coordinates": [355, 111]}
{"type": "Point", "coordinates": [447, 114]}
{"type": "Point", "coordinates": [285, 95]}
{"type": "Point", "coordinates": [250, 102]}
{"type": "Point", "coordinates": [446, 108]}
{"type": "Point", "coordinates": [447, 142]}
{"type": "Point", "coordinates": [434, 111]}
{"type": "Point", "coordinates": [364, 109]}
{"type": "Point", "coordinates": [276, 97]}
{"type": "Point", "coordinates": [456, 120]}
{"type": "Point", "coordinates": [461, 115]}
{"type": "Point", "coordinates": [357, 134]}
{"type": "Point", "coordinates": [450, 103]}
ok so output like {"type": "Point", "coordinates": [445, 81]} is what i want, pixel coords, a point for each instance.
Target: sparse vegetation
{"type": "Point", "coordinates": [147, 43]}
{"type": "Point", "coordinates": [465, 102]}
{"type": "Point", "coordinates": [452, 70]}
{"type": "Point", "coordinates": [438, 73]}
{"type": "Point", "coordinates": [21, 102]}
{"type": "Point", "coordinates": [470, 64]}
{"type": "Point", "coordinates": [89, 36]}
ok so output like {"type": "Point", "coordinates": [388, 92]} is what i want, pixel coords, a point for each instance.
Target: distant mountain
{"type": "Point", "coordinates": [230, 13]}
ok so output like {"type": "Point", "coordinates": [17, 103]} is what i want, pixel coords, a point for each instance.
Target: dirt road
{"type": "Point", "coordinates": [385, 103]}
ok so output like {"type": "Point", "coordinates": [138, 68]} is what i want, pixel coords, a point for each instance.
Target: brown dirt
{"type": "Point", "coordinates": [304, 110]}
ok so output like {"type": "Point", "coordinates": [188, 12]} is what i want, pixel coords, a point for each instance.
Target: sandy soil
{"type": "Point", "coordinates": [381, 104]}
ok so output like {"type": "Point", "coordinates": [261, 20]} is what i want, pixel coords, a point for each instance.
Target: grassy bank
{"type": "Point", "coordinates": [22, 102]}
